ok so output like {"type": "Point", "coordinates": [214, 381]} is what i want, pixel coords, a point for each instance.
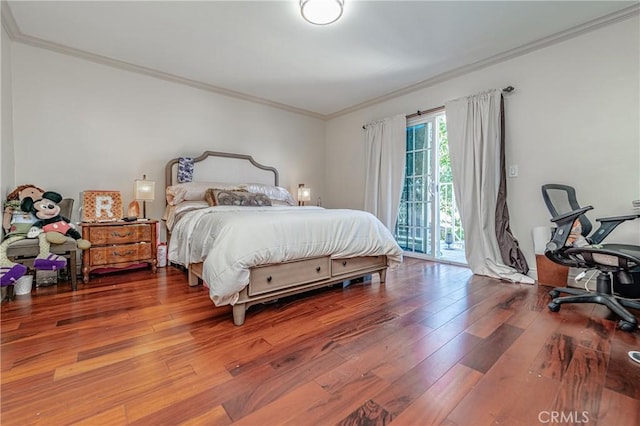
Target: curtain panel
{"type": "Point", "coordinates": [474, 131]}
{"type": "Point", "coordinates": [385, 156]}
{"type": "Point", "coordinates": [509, 247]}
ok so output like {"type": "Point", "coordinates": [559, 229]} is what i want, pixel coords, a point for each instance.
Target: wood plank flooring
{"type": "Point", "coordinates": [434, 345]}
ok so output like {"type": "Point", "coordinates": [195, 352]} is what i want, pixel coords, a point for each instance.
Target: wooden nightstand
{"type": "Point", "coordinates": [118, 245]}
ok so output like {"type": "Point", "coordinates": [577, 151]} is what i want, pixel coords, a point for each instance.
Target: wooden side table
{"type": "Point", "coordinates": [118, 245]}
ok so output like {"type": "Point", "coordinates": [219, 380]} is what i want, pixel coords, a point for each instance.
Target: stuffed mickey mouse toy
{"type": "Point", "coordinates": [47, 211]}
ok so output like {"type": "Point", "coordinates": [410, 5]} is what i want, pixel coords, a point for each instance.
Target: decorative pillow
{"type": "Point", "coordinates": [223, 197]}
{"type": "Point", "coordinates": [210, 197]}
{"type": "Point", "coordinates": [185, 169]}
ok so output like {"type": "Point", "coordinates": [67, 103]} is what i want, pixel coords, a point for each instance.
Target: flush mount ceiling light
{"type": "Point", "coordinates": [321, 12]}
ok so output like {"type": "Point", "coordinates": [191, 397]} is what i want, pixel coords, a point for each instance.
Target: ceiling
{"type": "Point", "coordinates": [264, 51]}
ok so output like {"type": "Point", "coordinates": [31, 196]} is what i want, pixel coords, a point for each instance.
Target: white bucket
{"type": "Point", "coordinates": [162, 255]}
{"type": "Point", "coordinates": [23, 285]}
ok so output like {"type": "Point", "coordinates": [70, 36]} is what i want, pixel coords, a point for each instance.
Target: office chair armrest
{"type": "Point", "coordinates": [608, 224]}
{"type": "Point", "coordinates": [572, 215]}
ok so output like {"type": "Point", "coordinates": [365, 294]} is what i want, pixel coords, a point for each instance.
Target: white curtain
{"type": "Point", "coordinates": [385, 159]}
{"type": "Point", "coordinates": [473, 129]}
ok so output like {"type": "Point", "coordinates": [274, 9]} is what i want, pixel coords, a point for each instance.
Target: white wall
{"type": "Point", "coordinates": [574, 118]}
{"type": "Point", "coordinates": [79, 125]}
{"type": "Point", "coordinates": [7, 182]}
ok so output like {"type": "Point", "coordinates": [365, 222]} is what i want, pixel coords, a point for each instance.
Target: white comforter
{"type": "Point", "coordinates": [230, 240]}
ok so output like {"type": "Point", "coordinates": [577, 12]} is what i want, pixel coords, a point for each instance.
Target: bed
{"type": "Point", "coordinates": [243, 237]}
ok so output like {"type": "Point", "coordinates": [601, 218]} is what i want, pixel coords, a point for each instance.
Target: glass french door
{"type": "Point", "coordinates": [428, 222]}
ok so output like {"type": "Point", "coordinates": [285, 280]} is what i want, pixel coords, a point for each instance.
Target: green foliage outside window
{"type": "Point", "coordinates": [413, 223]}
{"type": "Point", "coordinates": [447, 203]}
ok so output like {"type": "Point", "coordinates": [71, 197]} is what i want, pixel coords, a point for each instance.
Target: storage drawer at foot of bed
{"type": "Point", "coordinates": [265, 279]}
{"type": "Point", "coordinates": [345, 266]}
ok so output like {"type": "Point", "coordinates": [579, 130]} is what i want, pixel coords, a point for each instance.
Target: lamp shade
{"type": "Point", "coordinates": [321, 12]}
{"type": "Point", "coordinates": [304, 194]}
{"type": "Point", "coordinates": [144, 189]}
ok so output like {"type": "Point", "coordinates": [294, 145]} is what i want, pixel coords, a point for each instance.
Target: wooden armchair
{"type": "Point", "coordinates": [25, 251]}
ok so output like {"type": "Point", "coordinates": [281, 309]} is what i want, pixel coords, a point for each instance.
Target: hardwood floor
{"type": "Point", "coordinates": [434, 345]}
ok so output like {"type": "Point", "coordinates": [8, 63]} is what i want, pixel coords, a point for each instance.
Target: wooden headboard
{"type": "Point", "coordinates": [254, 172]}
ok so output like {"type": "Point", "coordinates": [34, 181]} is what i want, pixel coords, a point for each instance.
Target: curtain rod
{"type": "Point", "coordinates": [507, 89]}
{"type": "Point", "coordinates": [426, 111]}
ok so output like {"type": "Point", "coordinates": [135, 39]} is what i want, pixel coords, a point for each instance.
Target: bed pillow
{"type": "Point", "coordinates": [194, 191]}
{"type": "Point", "coordinates": [275, 193]}
{"type": "Point", "coordinates": [223, 197]}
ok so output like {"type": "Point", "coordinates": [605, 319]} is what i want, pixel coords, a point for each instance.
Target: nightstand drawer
{"type": "Point", "coordinates": [119, 254]}
{"type": "Point", "coordinates": [273, 277]}
{"type": "Point", "coordinates": [345, 266]}
{"type": "Point", "coordinates": [119, 234]}
{"type": "Point", "coordinates": [119, 245]}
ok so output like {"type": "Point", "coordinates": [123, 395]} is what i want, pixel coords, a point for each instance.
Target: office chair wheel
{"type": "Point", "coordinates": [554, 307]}
{"type": "Point", "coordinates": [554, 294]}
{"type": "Point", "coordinates": [626, 326]}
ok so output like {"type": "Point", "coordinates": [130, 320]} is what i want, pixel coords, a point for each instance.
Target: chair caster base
{"type": "Point", "coordinates": [627, 326]}
{"type": "Point", "coordinates": [554, 307]}
{"type": "Point", "coordinates": [554, 294]}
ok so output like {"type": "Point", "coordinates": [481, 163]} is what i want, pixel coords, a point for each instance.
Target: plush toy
{"type": "Point", "coordinates": [16, 224]}
{"type": "Point", "coordinates": [55, 226]}
{"type": "Point", "coordinates": [14, 220]}
{"type": "Point", "coordinates": [575, 238]}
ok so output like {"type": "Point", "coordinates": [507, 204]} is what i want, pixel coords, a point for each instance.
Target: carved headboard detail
{"type": "Point", "coordinates": [172, 166]}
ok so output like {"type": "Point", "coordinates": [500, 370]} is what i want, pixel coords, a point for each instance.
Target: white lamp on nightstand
{"type": "Point", "coordinates": [144, 190]}
{"type": "Point", "coordinates": [304, 194]}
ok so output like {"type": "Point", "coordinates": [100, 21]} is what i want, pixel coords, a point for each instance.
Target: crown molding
{"type": "Point", "coordinates": [8, 22]}
{"type": "Point", "coordinates": [12, 29]}
{"type": "Point", "coordinates": [621, 15]}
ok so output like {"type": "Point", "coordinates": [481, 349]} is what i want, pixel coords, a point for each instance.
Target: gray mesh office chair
{"type": "Point", "coordinates": [620, 261]}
